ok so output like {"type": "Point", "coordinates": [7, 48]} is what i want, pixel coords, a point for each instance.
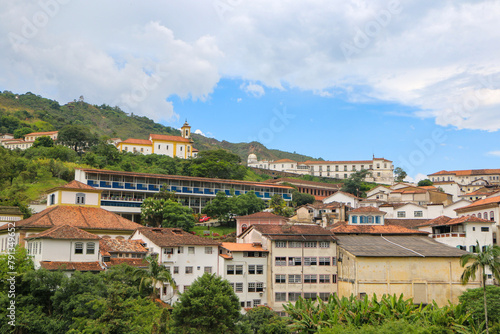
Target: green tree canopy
{"type": "Point", "coordinates": [153, 277]}
{"type": "Point", "coordinates": [355, 183]}
{"type": "Point", "coordinates": [400, 174]}
{"type": "Point", "coordinates": [167, 213]}
{"type": "Point", "coordinates": [424, 183]}
{"type": "Point", "coordinates": [300, 199]}
{"type": "Point", "coordinates": [278, 204]}
{"type": "Point", "coordinates": [263, 320]}
{"type": "Point", "coordinates": [44, 141]}
{"type": "Point", "coordinates": [248, 203]}
{"type": "Point", "coordinates": [208, 306]}
{"type": "Point", "coordinates": [219, 164]}
{"type": "Point", "coordinates": [77, 137]}
{"type": "Point", "coordinates": [20, 133]}
{"type": "Point", "coordinates": [222, 207]}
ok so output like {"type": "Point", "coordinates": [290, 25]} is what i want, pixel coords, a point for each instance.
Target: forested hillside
{"type": "Point", "coordinates": [35, 113]}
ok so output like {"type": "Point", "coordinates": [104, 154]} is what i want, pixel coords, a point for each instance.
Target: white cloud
{"type": "Point", "coordinates": [199, 132]}
{"type": "Point", "coordinates": [416, 178]}
{"type": "Point", "coordinates": [494, 153]}
{"type": "Point", "coordinates": [440, 58]}
{"type": "Point", "coordinates": [253, 89]}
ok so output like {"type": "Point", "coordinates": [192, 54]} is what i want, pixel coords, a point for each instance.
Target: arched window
{"type": "Point", "coordinates": [479, 215]}
{"type": "Point", "coordinates": [244, 227]}
{"type": "Point", "coordinates": [52, 200]}
{"type": "Point", "coordinates": [485, 216]}
{"type": "Point", "coordinates": [80, 198]}
{"type": "Point", "coordinates": [492, 216]}
{"type": "Point", "coordinates": [473, 215]}
{"type": "Point", "coordinates": [90, 248]}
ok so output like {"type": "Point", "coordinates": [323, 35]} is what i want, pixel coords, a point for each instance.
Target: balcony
{"type": "Point", "coordinates": [449, 235]}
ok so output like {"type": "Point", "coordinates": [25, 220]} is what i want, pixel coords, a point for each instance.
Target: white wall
{"type": "Point", "coordinates": [62, 250]}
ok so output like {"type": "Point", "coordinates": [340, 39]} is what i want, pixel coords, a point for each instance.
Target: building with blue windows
{"type": "Point", "coordinates": [123, 192]}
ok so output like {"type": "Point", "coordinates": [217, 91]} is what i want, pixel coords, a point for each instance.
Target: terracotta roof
{"type": "Point", "coordinates": [121, 246]}
{"type": "Point", "coordinates": [396, 246]}
{"type": "Point", "coordinates": [169, 138]}
{"type": "Point", "coordinates": [242, 247]}
{"type": "Point", "coordinates": [293, 232]}
{"type": "Point", "coordinates": [86, 218]}
{"type": "Point", "coordinates": [367, 209]}
{"type": "Point", "coordinates": [444, 220]}
{"type": "Point", "coordinates": [262, 214]}
{"type": "Point", "coordinates": [321, 205]}
{"type": "Point", "coordinates": [468, 172]}
{"type": "Point", "coordinates": [136, 141]}
{"type": "Point", "coordinates": [307, 183]}
{"type": "Point", "coordinates": [66, 232]}
{"type": "Point", "coordinates": [405, 222]}
{"type": "Point", "coordinates": [309, 162]}
{"type": "Point", "coordinates": [344, 228]}
{"type": "Point", "coordinates": [282, 161]}
{"type": "Point", "coordinates": [486, 201]}
{"type": "Point", "coordinates": [225, 256]}
{"type": "Point", "coordinates": [138, 263]}
{"type": "Point", "coordinates": [62, 265]}
{"type": "Point", "coordinates": [75, 185]}
{"type": "Point", "coordinates": [186, 178]}
{"type": "Point", "coordinates": [42, 133]}
{"type": "Point", "coordinates": [170, 237]}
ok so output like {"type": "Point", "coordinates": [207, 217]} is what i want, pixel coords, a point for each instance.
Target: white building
{"type": "Point", "coordinates": [185, 255]}
{"type": "Point", "coordinates": [415, 211]}
{"type": "Point", "coordinates": [28, 140]}
{"type": "Point", "coordinates": [302, 261]}
{"type": "Point", "coordinates": [244, 265]}
{"type": "Point", "coordinates": [381, 170]}
{"type": "Point", "coordinates": [343, 197]}
{"type": "Point", "coordinates": [468, 180]}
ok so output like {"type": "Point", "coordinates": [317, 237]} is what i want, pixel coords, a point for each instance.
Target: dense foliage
{"type": "Point", "coordinates": [224, 207]}
{"type": "Point", "coordinates": [166, 213]}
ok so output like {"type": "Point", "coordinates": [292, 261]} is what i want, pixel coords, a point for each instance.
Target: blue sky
{"type": "Point", "coordinates": [416, 82]}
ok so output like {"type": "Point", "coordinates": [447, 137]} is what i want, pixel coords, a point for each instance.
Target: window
{"type": "Point", "coordinates": [256, 302]}
{"type": "Point", "coordinates": [280, 244]}
{"type": "Point", "coordinates": [294, 261]}
{"type": "Point", "coordinates": [280, 261]}
{"type": "Point", "coordinates": [485, 215]}
{"type": "Point", "coordinates": [90, 248]}
{"type": "Point", "coordinates": [239, 269]}
{"type": "Point", "coordinates": [324, 296]}
{"type": "Point", "coordinates": [354, 219]}
{"type": "Point", "coordinates": [418, 214]}
{"type": "Point", "coordinates": [294, 278]}
{"type": "Point", "coordinates": [334, 278]}
{"type": "Point", "coordinates": [345, 168]}
{"type": "Point", "coordinates": [401, 214]}
{"type": "Point", "coordinates": [479, 215]}
{"type": "Point", "coordinates": [280, 296]}
{"type": "Point", "coordinates": [52, 200]}
{"type": "Point", "coordinates": [485, 229]}
{"type": "Point", "coordinates": [251, 287]}
{"type": "Point", "coordinates": [310, 295]}
{"type": "Point", "coordinates": [334, 261]}
{"type": "Point", "coordinates": [176, 270]}
{"type": "Point", "coordinates": [207, 270]}
{"type": "Point", "coordinates": [310, 261]}
{"type": "Point", "coordinates": [168, 251]}
{"type": "Point", "coordinates": [310, 244]}
{"type": "Point", "coordinates": [189, 270]}
{"type": "Point", "coordinates": [324, 261]}
{"type": "Point", "coordinates": [208, 250]}
{"type": "Point", "coordinates": [280, 278]}
{"type": "Point", "coordinates": [230, 269]}
{"type": "Point", "coordinates": [255, 269]}
{"type": "Point", "coordinates": [492, 216]}
{"type": "Point", "coordinates": [310, 279]}
{"type": "Point", "coordinates": [190, 250]}
{"type": "Point", "coordinates": [324, 278]}
{"type": "Point", "coordinates": [80, 198]}
{"type": "Point", "coordinates": [78, 248]}
{"type": "Point", "coordinates": [158, 146]}
{"type": "Point", "coordinates": [180, 250]}
{"type": "Point", "coordinates": [345, 176]}
{"type": "Point", "coordinates": [294, 244]}
{"type": "Point", "coordinates": [259, 287]}
{"type": "Point", "coordinates": [293, 296]}
{"type": "Point", "coordinates": [324, 244]}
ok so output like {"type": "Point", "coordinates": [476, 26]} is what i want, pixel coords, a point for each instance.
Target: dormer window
{"type": "Point", "coordinates": [80, 198]}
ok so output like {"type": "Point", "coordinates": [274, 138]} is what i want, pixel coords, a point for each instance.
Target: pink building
{"type": "Point", "coordinates": [268, 218]}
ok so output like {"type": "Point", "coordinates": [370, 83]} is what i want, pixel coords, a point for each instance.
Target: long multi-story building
{"type": "Point", "coordinates": [468, 180]}
{"type": "Point", "coordinates": [124, 192]}
{"type": "Point", "coordinates": [381, 170]}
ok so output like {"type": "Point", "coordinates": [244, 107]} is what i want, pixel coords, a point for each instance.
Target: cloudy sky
{"type": "Point", "coordinates": [416, 82]}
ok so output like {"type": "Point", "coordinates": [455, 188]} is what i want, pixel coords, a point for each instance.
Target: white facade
{"type": "Point", "coordinates": [343, 197]}
{"type": "Point", "coordinates": [63, 250]}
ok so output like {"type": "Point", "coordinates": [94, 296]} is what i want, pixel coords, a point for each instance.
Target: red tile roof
{"type": "Point", "coordinates": [367, 209]}
{"type": "Point", "coordinates": [243, 247]}
{"type": "Point", "coordinates": [86, 218]}
{"type": "Point", "coordinates": [169, 138]}
{"type": "Point", "coordinates": [67, 232]}
{"type": "Point", "coordinates": [344, 228]}
{"type": "Point", "coordinates": [136, 141]}
{"type": "Point", "coordinates": [262, 215]}
{"type": "Point", "coordinates": [467, 172]}
{"type": "Point", "coordinates": [486, 201]}
{"type": "Point", "coordinates": [138, 263]}
{"type": "Point", "coordinates": [65, 266]}
{"type": "Point", "coordinates": [171, 237]}
{"type": "Point", "coordinates": [406, 222]}
{"type": "Point", "coordinates": [110, 245]}
{"type": "Point", "coordinates": [283, 161]}
{"type": "Point", "coordinates": [42, 133]}
{"type": "Point", "coordinates": [293, 232]}
{"type": "Point", "coordinates": [313, 184]}
{"type": "Point", "coordinates": [444, 220]}
{"type": "Point", "coordinates": [309, 162]}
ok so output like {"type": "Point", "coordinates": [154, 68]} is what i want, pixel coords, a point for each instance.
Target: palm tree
{"type": "Point", "coordinates": [154, 275]}
{"type": "Point", "coordinates": [489, 257]}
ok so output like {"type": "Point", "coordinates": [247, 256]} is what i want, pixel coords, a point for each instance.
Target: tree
{"type": "Point", "coordinates": [300, 199]}
{"type": "Point", "coordinates": [355, 183]}
{"type": "Point", "coordinates": [472, 300]}
{"type": "Point", "coordinates": [77, 137]}
{"type": "Point", "coordinates": [262, 320]}
{"type": "Point", "coordinates": [488, 257]}
{"type": "Point", "coordinates": [278, 204]}
{"type": "Point", "coordinates": [248, 203]}
{"type": "Point", "coordinates": [154, 277]}
{"type": "Point", "coordinates": [219, 164]}
{"type": "Point", "coordinates": [400, 174]}
{"type": "Point", "coordinates": [208, 306]}
{"type": "Point", "coordinates": [19, 133]}
{"type": "Point", "coordinates": [167, 213]}
{"type": "Point", "coordinates": [221, 207]}
{"type": "Point", "coordinates": [18, 262]}
{"type": "Point", "coordinates": [44, 141]}
{"type": "Point", "coordinates": [425, 183]}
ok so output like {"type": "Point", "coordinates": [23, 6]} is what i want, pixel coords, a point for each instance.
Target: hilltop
{"type": "Point", "coordinates": [42, 114]}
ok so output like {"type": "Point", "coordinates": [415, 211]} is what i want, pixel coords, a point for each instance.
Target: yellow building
{"type": "Point", "coordinates": [174, 146]}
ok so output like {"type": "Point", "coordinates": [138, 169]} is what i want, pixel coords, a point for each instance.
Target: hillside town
{"type": "Point", "coordinates": [401, 238]}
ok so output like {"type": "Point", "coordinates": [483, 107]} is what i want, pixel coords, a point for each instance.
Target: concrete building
{"type": "Point", "coordinates": [10, 214]}
{"type": "Point", "coordinates": [268, 218]}
{"type": "Point", "coordinates": [319, 190]}
{"type": "Point", "coordinates": [244, 265]}
{"type": "Point", "coordinates": [302, 261]}
{"type": "Point", "coordinates": [123, 192]}
{"type": "Point", "coordinates": [468, 180]}
{"type": "Point", "coordinates": [23, 144]}
{"type": "Point", "coordinates": [185, 255]}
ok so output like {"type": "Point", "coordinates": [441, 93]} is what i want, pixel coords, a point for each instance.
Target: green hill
{"type": "Point", "coordinates": [42, 114]}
